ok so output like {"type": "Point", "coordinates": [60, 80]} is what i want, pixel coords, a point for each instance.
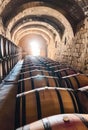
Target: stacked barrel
{"type": "Point", "coordinates": [41, 94]}
{"type": "Point", "coordinates": [50, 95]}
{"type": "Point", "coordinates": [9, 56]}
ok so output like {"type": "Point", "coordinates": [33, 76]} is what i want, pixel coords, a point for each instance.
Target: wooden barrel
{"type": "Point", "coordinates": [82, 95]}
{"type": "Point", "coordinates": [64, 72]}
{"type": "Point", "coordinates": [34, 73]}
{"type": "Point", "coordinates": [57, 67]}
{"type": "Point", "coordinates": [75, 81]}
{"type": "Point", "coordinates": [30, 65]}
{"type": "Point", "coordinates": [39, 103]}
{"type": "Point", "coordinates": [37, 82]}
{"type": "Point", "coordinates": [60, 122]}
{"type": "Point", "coordinates": [52, 64]}
{"type": "Point", "coordinates": [31, 61]}
{"type": "Point", "coordinates": [33, 68]}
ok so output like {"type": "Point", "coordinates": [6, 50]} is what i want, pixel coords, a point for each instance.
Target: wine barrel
{"type": "Point", "coordinates": [75, 81]}
{"type": "Point", "coordinates": [60, 122]}
{"type": "Point", "coordinates": [82, 95]}
{"type": "Point", "coordinates": [39, 103]}
{"type": "Point", "coordinates": [52, 64]}
{"type": "Point", "coordinates": [37, 82]}
{"type": "Point", "coordinates": [31, 60]}
{"type": "Point", "coordinates": [31, 65]}
{"type": "Point", "coordinates": [34, 73]}
{"type": "Point", "coordinates": [32, 68]}
{"type": "Point", "coordinates": [57, 67]}
{"type": "Point", "coordinates": [64, 72]}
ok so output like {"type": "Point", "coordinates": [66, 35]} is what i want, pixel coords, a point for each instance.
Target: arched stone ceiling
{"type": "Point", "coordinates": [57, 13]}
{"type": "Point", "coordinates": [56, 20]}
{"type": "Point", "coordinates": [49, 31]}
{"type": "Point", "coordinates": [82, 3]}
{"type": "Point", "coordinates": [43, 27]}
{"type": "Point", "coordinates": [32, 32]}
{"type": "Point", "coordinates": [42, 18]}
{"type": "Point", "coordinates": [45, 10]}
{"type": "Point", "coordinates": [69, 8]}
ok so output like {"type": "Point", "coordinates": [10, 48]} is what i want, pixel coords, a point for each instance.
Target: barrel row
{"type": "Point", "coordinates": [67, 76]}
{"type": "Point", "coordinates": [67, 79]}
{"type": "Point", "coordinates": [53, 65]}
{"type": "Point", "coordinates": [9, 56]}
{"type": "Point", "coordinates": [34, 101]}
{"type": "Point", "coordinates": [44, 102]}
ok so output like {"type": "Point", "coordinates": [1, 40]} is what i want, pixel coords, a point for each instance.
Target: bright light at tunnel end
{"type": "Point", "coordinates": [35, 47]}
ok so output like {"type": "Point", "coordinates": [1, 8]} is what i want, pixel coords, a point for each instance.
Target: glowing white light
{"type": "Point", "coordinates": [35, 48]}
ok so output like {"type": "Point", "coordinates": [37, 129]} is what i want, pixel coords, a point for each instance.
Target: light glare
{"type": "Point", "coordinates": [35, 48]}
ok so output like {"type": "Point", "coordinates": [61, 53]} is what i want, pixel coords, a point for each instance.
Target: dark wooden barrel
{"type": "Point", "coordinates": [37, 82]}
{"type": "Point", "coordinates": [32, 68]}
{"type": "Point", "coordinates": [39, 103]}
{"type": "Point", "coordinates": [82, 95]}
{"type": "Point", "coordinates": [57, 67]}
{"type": "Point", "coordinates": [75, 81]}
{"type": "Point", "coordinates": [64, 72]}
{"type": "Point", "coordinates": [60, 122]}
{"type": "Point", "coordinates": [34, 73]}
{"type": "Point", "coordinates": [31, 61]}
{"type": "Point", "coordinates": [53, 63]}
{"type": "Point", "coordinates": [30, 65]}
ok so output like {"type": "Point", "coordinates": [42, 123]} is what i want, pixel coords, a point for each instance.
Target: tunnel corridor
{"type": "Point", "coordinates": [43, 64]}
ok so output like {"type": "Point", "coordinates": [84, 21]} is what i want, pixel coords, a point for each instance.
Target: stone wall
{"type": "Point", "coordinates": [74, 51]}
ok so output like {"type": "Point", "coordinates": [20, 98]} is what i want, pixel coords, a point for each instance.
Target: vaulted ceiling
{"type": "Point", "coordinates": [20, 16]}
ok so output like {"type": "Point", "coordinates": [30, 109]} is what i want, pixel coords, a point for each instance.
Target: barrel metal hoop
{"type": "Point", "coordinates": [74, 103]}
{"type": "Point", "coordinates": [85, 122]}
{"type": "Point", "coordinates": [17, 113]}
{"type": "Point", "coordinates": [32, 82]}
{"type": "Point", "coordinates": [23, 110]}
{"type": "Point", "coordinates": [67, 83]}
{"type": "Point", "coordinates": [77, 81]}
{"type": "Point", "coordinates": [79, 104]}
{"type": "Point", "coordinates": [47, 82]}
{"type": "Point", "coordinates": [60, 100]}
{"type": "Point", "coordinates": [38, 104]}
{"type": "Point", "coordinates": [46, 124]}
{"type": "Point", "coordinates": [70, 83]}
